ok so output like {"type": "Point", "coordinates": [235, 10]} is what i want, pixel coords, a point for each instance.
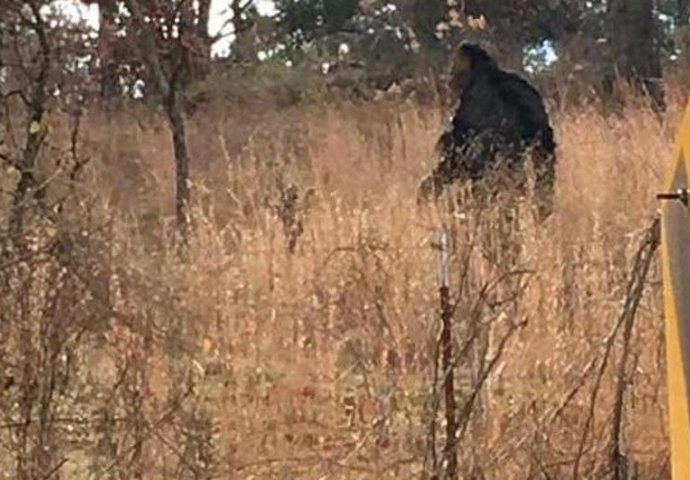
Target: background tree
{"type": "Point", "coordinates": [635, 51]}
{"type": "Point", "coordinates": [412, 38]}
{"type": "Point", "coordinates": [519, 25]}
{"type": "Point", "coordinates": [108, 62]}
{"type": "Point", "coordinates": [43, 69]}
{"type": "Point", "coordinates": [244, 21]}
{"type": "Point", "coordinates": [374, 44]}
{"type": "Point", "coordinates": [174, 55]}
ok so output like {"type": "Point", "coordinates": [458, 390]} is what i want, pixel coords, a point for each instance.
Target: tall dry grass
{"type": "Point", "coordinates": [243, 360]}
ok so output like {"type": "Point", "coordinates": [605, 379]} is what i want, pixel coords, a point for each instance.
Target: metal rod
{"type": "Point", "coordinates": [680, 194]}
{"type": "Point", "coordinates": [450, 454]}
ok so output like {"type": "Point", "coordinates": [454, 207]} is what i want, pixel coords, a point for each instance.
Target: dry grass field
{"type": "Point", "coordinates": [297, 336]}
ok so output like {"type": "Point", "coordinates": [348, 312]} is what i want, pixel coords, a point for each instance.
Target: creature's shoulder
{"type": "Point", "coordinates": [513, 84]}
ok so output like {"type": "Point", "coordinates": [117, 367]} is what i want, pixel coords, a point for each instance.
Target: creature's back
{"type": "Point", "coordinates": [532, 118]}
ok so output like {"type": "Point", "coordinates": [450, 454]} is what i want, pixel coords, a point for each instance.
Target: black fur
{"type": "Point", "coordinates": [499, 118]}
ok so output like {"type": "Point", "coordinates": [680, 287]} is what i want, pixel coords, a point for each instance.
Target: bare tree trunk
{"type": "Point", "coordinates": [634, 46]}
{"type": "Point", "coordinates": [244, 49]}
{"type": "Point", "coordinates": [682, 39]}
{"type": "Point", "coordinates": [28, 187]}
{"type": "Point", "coordinates": [181, 152]}
{"type": "Point", "coordinates": [168, 90]}
{"type": "Point", "coordinates": [683, 16]}
{"type": "Point", "coordinates": [110, 84]}
{"type": "Point", "coordinates": [202, 26]}
{"type": "Point", "coordinates": [203, 18]}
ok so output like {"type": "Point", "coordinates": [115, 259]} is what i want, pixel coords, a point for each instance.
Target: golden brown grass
{"type": "Point", "coordinates": [244, 361]}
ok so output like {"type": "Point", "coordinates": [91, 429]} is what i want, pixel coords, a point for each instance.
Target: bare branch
{"type": "Point", "coordinates": [16, 93]}
{"type": "Point", "coordinates": [149, 47]}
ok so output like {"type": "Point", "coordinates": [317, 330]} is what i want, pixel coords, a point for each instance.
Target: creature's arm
{"type": "Point", "coordinates": [457, 148]}
{"type": "Point", "coordinates": [449, 148]}
{"type": "Point", "coordinates": [432, 185]}
{"type": "Point", "coordinates": [467, 146]}
{"type": "Point", "coordinates": [453, 151]}
{"type": "Point", "coordinates": [530, 108]}
{"type": "Point", "coordinates": [445, 147]}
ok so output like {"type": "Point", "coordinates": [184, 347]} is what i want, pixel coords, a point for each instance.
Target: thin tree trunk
{"type": "Point", "coordinates": [181, 152]}
{"type": "Point", "coordinates": [110, 83]}
{"type": "Point", "coordinates": [28, 187]}
{"type": "Point", "coordinates": [634, 47]}
{"type": "Point", "coordinates": [682, 39]}
{"type": "Point", "coordinates": [168, 90]}
{"type": "Point", "coordinates": [683, 16]}
{"type": "Point", "coordinates": [204, 16]}
{"type": "Point", "coordinates": [244, 49]}
{"type": "Point", "coordinates": [202, 26]}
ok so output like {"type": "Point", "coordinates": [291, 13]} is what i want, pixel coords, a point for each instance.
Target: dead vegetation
{"type": "Point", "coordinates": [297, 337]}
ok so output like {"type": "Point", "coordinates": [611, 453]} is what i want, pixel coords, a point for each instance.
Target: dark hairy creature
{"type": "Point", "coordinates": [499, 123]}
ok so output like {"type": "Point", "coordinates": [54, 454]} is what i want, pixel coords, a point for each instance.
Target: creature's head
{"type": "Point", "coordinates": [467, 59]}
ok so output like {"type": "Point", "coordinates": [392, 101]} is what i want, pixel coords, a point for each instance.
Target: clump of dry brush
{"type": "Point", "coordinates": [297, 337]}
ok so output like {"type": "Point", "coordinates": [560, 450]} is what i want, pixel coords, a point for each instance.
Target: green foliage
{"type": "Point", "coordinates": [301, 21]}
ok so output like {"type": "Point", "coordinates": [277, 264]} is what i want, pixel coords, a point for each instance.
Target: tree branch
{"type": "Point", "coordinates": [149, 47]}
